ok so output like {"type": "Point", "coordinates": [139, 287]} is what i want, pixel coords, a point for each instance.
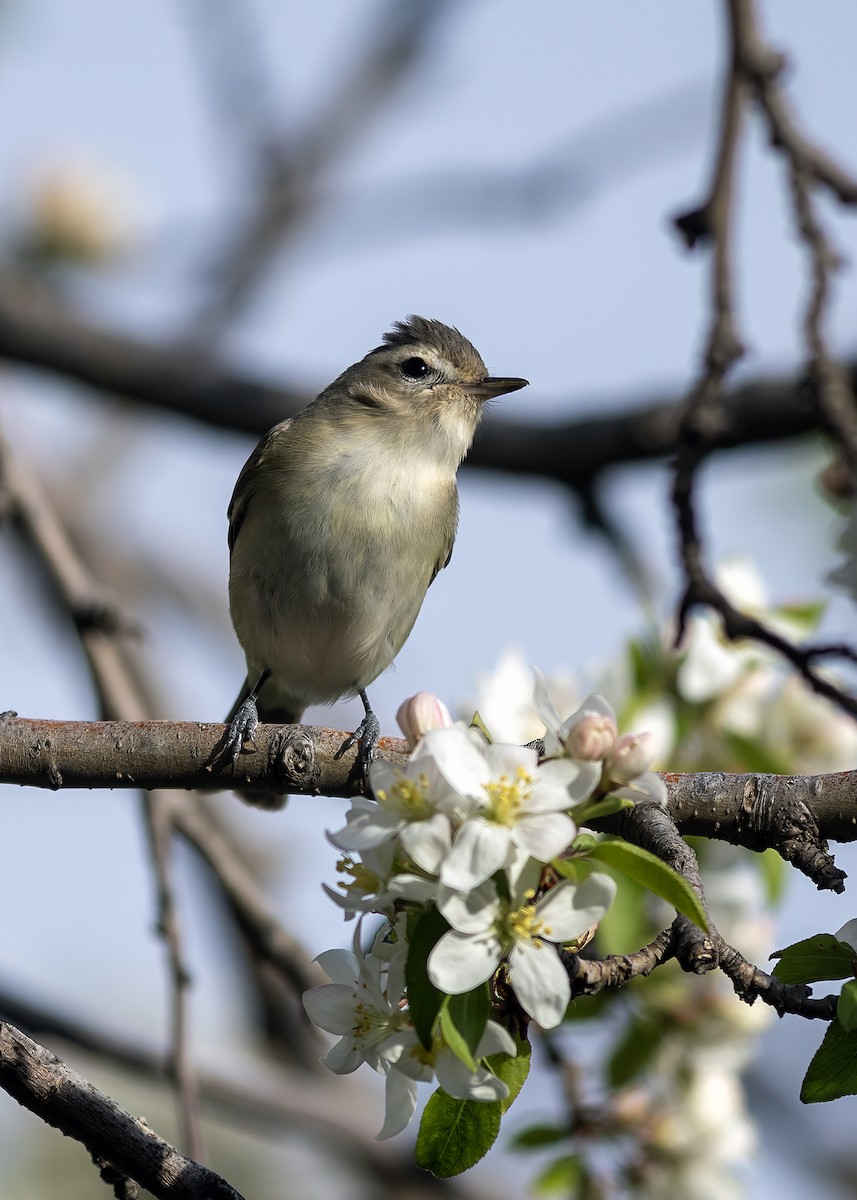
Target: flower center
{"type": "Point", "coordinates": [362, 880]}
{"type": "Point", "coordinates": [523, 924]}
{"type": "Point", "coordinates": [368, 1021]}
{"type": "Point", "coordinates": [408, 798]}
{"type": "Point", "coordinates": [506, 796]}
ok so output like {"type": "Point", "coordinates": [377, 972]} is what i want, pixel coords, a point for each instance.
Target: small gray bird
{"type": "Point", "coordinates": [340, 520]}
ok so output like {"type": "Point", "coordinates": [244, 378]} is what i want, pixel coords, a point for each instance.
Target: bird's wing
{"type": "Point", "coordinates": [451, 528]}
{"type": "Point", "coordinates": [246, 484]}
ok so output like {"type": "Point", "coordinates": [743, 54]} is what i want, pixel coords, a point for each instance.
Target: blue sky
{"type": "Point", "coordinates": [596, 303]}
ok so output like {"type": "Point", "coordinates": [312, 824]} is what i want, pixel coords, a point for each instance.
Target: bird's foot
{"type": "Point", "coordinates": [242, 728]}
{"type": "Point", "coordinates": [367, 734]}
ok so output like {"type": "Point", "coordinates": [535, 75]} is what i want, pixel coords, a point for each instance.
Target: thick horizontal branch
{"type": "Point", "coordinates": [177, 754]}
{"type": "Point", "coordinates": [35, 329]}
{"type": "Point", "coordinates": [793, 814]}
{"type": "Point", "coordinates": [45, 1085]}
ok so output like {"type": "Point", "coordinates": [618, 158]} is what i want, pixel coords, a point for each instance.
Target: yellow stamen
{"type": "Point", "coordinates": [408, 798]}
{"type": "Point", "coordinates": [505, 796]}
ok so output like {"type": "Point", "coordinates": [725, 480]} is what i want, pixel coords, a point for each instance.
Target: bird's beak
{"type": "Point", "coordinates": [496, 385]}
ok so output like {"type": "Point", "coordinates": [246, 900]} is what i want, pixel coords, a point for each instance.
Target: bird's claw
{"type": "Point", "coordinates": [242, 728]}
{"type": "Point", "coordinates": [367, 734]}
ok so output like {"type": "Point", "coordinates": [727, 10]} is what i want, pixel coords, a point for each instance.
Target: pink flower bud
{"type": "Point", "coordinates": [421, 713]}
{"type": "Point", "coordinates": [632, 755]}
{"type": "Point", "coordinates": [591, 738]}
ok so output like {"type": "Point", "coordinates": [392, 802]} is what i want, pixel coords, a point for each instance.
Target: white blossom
{"type": "Point", "coordinates": [515, 804]}
{"type": "Point", "coordinates": [355, 1007]}
{"type": "Point", "coordinates": [525, 934]}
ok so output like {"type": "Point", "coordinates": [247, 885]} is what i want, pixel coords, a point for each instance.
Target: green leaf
{"type": "Point", "coordinates": [535, 1137]}
{"type": "Point", "coordinates": [818, 957]}
{"type": "Point", "coordinates": [424, 999]}
{"type": "Point", "coordinates": [455, 1134]}
{"type": "Point", "coordinates": [513, 1069]}
{"type": "Point", "coordinates": [635, 1049]}
{"type": "Point", "coordinates": [469, 1011]}
{"type": "Point", "coordinates": [807, 614]}
{"type": "Point", "coordinates": [648, 870]}
{"type": "Point", "coordinates": [584, 842]}
{"type": "Point", "coordinates": [774, 873]}
{"type": "Point", "coordinates": [575, 869]}
{"type": "Point", "coordinates": [454, 1038]}
{"type": "Point", "coordinates": [846, 1009]}
{"type": "Point", "coordinates": [563, 1176]}
{"type": "Point", "coordinates": [750, 755]}
{"type": "Point", "coordinates": [833, 1070]}
{"type": "Point", "coordinates": [476, 722]}
{"type": "Point", "coordinates": [591, 810]}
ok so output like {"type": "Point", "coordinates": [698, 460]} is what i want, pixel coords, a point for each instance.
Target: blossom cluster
{"type": "Point", "coordinates": [454, 851]}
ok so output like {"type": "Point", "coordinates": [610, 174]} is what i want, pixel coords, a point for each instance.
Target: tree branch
{"type": "Point", "coordinates": [794, 814]}
{"type": "Point", "coordinates": [45, 1085]}
{"type": "Point", "coordinates": [37, 330]}
{"type": "Point", "coordinates": [753, 69]}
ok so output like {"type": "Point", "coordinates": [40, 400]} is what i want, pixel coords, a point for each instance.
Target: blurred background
{"type": "Point", "coordinates": [267, 187]}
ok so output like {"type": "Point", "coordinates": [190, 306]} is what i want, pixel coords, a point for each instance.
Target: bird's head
{"type": "Point", "coordinates": [425, 377]}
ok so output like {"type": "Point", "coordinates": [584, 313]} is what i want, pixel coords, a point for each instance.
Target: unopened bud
{"type": "Point", "coordinates": [590, 740]}
{"type": "Point", "coordinates": [78, 214]}
{"type": "Point", "coordinates": [419, 714]}
{"type": "Point", "coordinates": [632, 755]}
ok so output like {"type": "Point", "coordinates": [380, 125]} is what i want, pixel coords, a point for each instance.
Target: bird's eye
{"type": "Point", "coordinates": [414, 368]}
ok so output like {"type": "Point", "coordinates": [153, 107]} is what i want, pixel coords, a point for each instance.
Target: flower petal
{"type": "Point", "coordinates": [340, 966]}
{"type": "Point", "coordinates": [540, 981]}
{"type": "Point", "coordinates": [479, 848]}
{"type": "Point", "coordinates": [496, 1040]}
{"type": "Point", "coordinates": [505, 758]}
{"type": "Point", "coordinates": [458, 754]}
{"type": "Point", "coordinates": [645, 787]}
{"type": "Point", "coordinates": [544, 704]}
{"type": "Point", "coordinates": [365, 830]}
{"type": "Point", "coordinates": [571, 908]}
{"type": "Point", "coordinates": [462, 1084]}
{"type": "Point", "coordinates": [331, 1006]}
{"type": "Point", "coordinates": [346, 1056]}
{"type": "Point", "coordinates": [461, 961]}
{"type": "Point", "coordinates": [427, 842]}
{"type": "Point", "coordinates": [400, 1104]}
{"type": "Point", "coordinates": [469, 912]}
{"type": "Point", "coordinates": [585, 782]}
{"type": "Point", "coordinates": [550, 792]}
{"type": "Point", "coordinates": [545, 835]}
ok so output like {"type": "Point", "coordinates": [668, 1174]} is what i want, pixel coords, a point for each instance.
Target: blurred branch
{"type": "Point", "coordinates": [45, 1085]}
{"type": "Point", "coordinates": [228, 44]}
{"type": "Point", "coordinates": [324, 1107]}
{"type": "Point", "coordinates": [571, 173]}
{"type": "Point", "coordinates": [287, 171]}
{"type": "Point", "coordinates": [119, 698]}
{"type": "Point", "coordinates": [37, 330]}
{"type": "Point", "coordinates": [120, 693]}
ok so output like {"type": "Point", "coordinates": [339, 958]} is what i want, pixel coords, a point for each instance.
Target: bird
{"type": "Point", "coordinates": [341, 519]}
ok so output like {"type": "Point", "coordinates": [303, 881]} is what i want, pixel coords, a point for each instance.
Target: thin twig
{"type": "Point", "coordinates": [160, 820]}
{"type": "Point", "coordinates": [754, 70]}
